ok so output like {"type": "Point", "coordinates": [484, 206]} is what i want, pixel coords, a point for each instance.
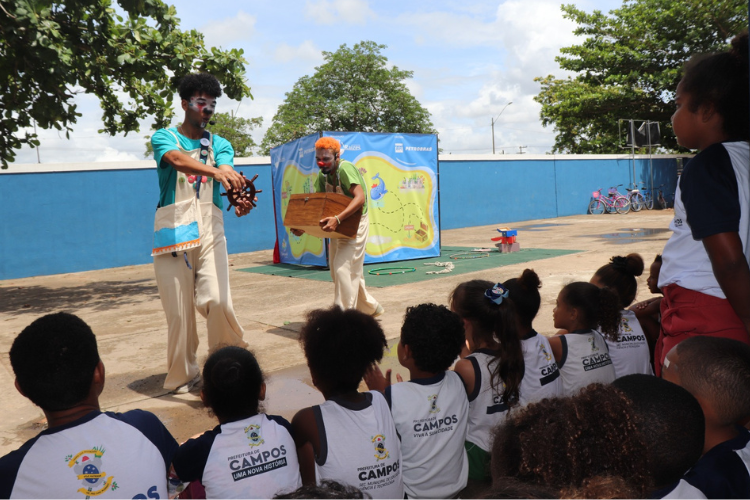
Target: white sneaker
{"type": "Point", "coordinates": [378, 312]}
{"type": "Point", "coordinates": [185, 388]}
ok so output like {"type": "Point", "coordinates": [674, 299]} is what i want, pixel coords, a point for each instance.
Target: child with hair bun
{"type": "Point", "coordinates": [582, 354]}
{"type": "Point", "coordinates": [249, 454]}
{"type": "Point", "coordinates": [705, 273]}
{"type": "Point", "coordinates": [541, 376]}
{"type": "Point", "coordinates": [493, 371]}
{"type": "Point", "coordinates": [350, 438]}
{"type": "Point", "coordinates": [629, 349]}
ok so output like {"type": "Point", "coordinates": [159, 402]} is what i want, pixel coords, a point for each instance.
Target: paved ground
{"type": "Point", "coordinates": [122, 306]}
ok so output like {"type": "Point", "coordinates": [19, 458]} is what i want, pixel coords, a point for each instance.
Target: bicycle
{"type": "Point", "coordinates": [648, 199]}
{"type": "Point", "coordinates": [614, 202]}
{"type": "Point", "coordinates": [636, 199]}
{"type": "Point", "coordinates": [660, 202]}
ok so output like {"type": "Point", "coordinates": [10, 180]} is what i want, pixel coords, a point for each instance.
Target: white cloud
{"type": "Point", "coordinates": [306, 51]}
{"type": "Point", "coordinates": [111, 154]}
{"type": "Point", "coordinates": [229, 30]}
{"type": "Point", "coordinates": [338, 11]}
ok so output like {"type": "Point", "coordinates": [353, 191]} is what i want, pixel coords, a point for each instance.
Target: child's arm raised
{"type": "Point", "coordinates": [731, 270]}
{"type": "Point", "coordinates": [307, 441]}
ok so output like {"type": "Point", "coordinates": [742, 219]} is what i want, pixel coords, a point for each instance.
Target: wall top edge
{"type": "Point", "coordinates": [36, 168]}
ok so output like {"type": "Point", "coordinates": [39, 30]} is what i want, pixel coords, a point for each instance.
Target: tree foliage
{"type": "Point", "coordinates": [352, 91]}
{"type": "Point", "coordinates": [235, 129]}
{"type": "Point", "coordinates": [628, 67]}
{"type": "Point", "coordinates": [50, 51]}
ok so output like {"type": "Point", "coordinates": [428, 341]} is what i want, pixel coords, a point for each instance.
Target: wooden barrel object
{"type": "Point", "coordinates": [305, 211]}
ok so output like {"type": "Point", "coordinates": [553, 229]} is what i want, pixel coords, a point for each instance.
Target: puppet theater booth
{"type": "Point", "coordinates": [400, 173]}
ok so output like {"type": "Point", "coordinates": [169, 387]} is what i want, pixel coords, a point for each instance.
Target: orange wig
{"type": "Point", "coordinates": [328, 143]}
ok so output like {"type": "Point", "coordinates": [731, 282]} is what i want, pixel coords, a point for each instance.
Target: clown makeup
{"type": "Point", "coordinates": [203, 105]}
{"type": "Point", "coordinates": [326, 160]}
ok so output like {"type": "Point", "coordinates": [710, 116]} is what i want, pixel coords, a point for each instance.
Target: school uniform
{"type": "Point", "coordinates": [585, 360]}
{"type": "Point", "coordinates": [541, 377]}
{"type": "Point", "coordinates": [431, 417]}
{"type": "Point", "coordinates": [359, 445]}
{"type": "Point", "coordinates": [630, 353]}
{"type": "Point", "coordinates": [253, 457]}
{"type": "Point", "coordinates": [100, 455]}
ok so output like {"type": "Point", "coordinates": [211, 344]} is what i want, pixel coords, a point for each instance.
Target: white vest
{"type": "Point", "coordinates": [630, 354]}
{"type": "Point", "coordinates": [541, 377]}
{"type": "Point", "coordinates": [251, 458]}
{"type": "Point", "coordinates": [359, 446]}
{"type": "Point", "coordinates": [585, 361]}
{"type": "Point", "coordinates": [486, 409]}
{"type": "Point", "coordinates": [431, 417]}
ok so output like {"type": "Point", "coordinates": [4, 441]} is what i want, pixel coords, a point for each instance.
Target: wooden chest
{"type": "Point", "coordinates": [305, 211]}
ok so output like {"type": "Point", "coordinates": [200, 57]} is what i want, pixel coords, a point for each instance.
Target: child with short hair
{"type": "Point", "coordinates": [493, 371]}
{"type": "Point", "coordinates": [717, 372]}
{"type": "Point", "coordinates": [84, 452]}
{"type": "Point", "coordinates": [582, 354]}
{"type": "Point", "coordinates": [541, 376]}
{"type": "Point", "coordinates": [629, 348]}
{"type": "Point", "coordinates": [249, 454]}
{"type": "Point", "coordinates": [351, 437]}
{"type": "Point", "coordinates": [705, 276]}
{"type": "Point", "coordinates": [431, 409]}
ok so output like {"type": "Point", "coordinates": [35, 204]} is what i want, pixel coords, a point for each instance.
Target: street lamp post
{"type": "Point", "coordinates": [494, 121]}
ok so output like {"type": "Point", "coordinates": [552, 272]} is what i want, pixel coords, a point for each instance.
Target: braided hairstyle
{"type": "Point", "coordinates": [599, 307]}
{"type": "Point", "coordinates": [490, 320]}
{"type": "Point", "coordinates": [620, 274]}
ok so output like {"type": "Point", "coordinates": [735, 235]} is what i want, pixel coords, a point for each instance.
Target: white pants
{"type": "Point", "coordinates": [347, 258]}
{"type": "Point", "coordinates": [204, 287]}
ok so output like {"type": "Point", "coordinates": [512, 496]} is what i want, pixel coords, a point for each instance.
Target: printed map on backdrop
{"type": "Point", "coordinates": [400, 176]}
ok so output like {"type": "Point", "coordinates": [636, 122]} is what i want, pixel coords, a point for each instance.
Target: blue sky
{"type": "Point", "coordinates": [469, 58]}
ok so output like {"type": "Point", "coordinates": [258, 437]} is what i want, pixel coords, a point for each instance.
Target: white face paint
{"type": "Point", "coordinates": [204, 106]}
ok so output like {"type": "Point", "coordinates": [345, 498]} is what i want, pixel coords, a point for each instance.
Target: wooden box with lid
{"type": "Point", "coordinates": [305, 211]}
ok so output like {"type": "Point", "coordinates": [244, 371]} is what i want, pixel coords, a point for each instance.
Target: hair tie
{"type": "Point", "coordinates": [497, 293]}
{"type": "Point", "coordinates": [619, 262]}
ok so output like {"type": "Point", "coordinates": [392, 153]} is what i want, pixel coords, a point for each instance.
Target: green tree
{"type": "Point", "coordinates": [629, 66]}
{"type": "Point", "coordinates": [352, 91]}
{"type": "Point", "coordinates": [235, 129]}
{"type": "Point", "coordinates": [52, 50]}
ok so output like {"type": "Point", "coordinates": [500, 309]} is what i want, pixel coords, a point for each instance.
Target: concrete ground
{"type": "Point", "coordinates": [122, 306]}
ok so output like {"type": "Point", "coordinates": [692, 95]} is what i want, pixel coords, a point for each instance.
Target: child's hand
{"type": "Point", "coordinates": [375, 379]}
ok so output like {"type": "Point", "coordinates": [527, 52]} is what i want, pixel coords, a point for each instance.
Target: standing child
{"type": "Point", "coordinates": [493, 370]}
{"type": "Point", "coordinates": [249, 454]}
{"type": "Point", "coordinates": [582, 354]}
{"type": "Point", "coordinates": [717, 372]}
{"type": "Point", "coordinates": [629, 348]}
{"type": "Point", "coordinates": [431, 409]}
{"type": "Point", "coordinates": [351, 438]}
{"type": "Point", "coordinates": [541, 376]}
{"type": "Point", "coordinates": [705, 276]}
{"type": "Point", "coordinates": [648, 312]}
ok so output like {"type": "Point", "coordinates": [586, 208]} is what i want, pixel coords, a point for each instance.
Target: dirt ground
{"type": "Point", "coordinates": [122, 306]}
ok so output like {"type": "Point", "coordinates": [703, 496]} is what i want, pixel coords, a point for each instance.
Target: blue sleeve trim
{"type": "Point", "coordinates": [710, 193]}
{"type": "Point", "coordinates": [564, 357]}
{"type": "Point", "coordinates": [477, 378]}
{"type": "Point", "coordinates": [388, 397]}
{"type": "Point", "coordinates": [322, 438]}
{"type": "Point", "coordinates": [190, 460]}
{"type": "Point", "coordinates": [281, 421]}
{"type": "Point", "coordinates": [9, 465]}
{"type": "Point", "coordinates": [151, 427]}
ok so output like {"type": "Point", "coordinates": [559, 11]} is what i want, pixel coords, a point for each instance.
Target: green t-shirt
{"type": "Point", "coordinates": [162, 141]}
{"type": "Point", "coordinates": [349, 176]}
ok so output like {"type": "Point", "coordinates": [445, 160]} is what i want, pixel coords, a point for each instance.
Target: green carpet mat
{"type": "Point", "coordinates": [462, 266]}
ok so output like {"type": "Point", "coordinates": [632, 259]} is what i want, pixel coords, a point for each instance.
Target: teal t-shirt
{"type": "Point", "coordinates": [349, 175]}
{"type": "Point", "coordinates": [162, 141]}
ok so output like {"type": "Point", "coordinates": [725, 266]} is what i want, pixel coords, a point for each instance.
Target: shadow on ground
{"type": "Point", "coordinates": [100, 295]}
{"type": "Point", "coordinates": [290, 330]}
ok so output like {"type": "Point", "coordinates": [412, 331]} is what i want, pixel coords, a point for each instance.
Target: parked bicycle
{"type": "Point", "coordinates": [636, 199]}
{"type": "Point", "coordinates": [613, 202]}
{"type": "Point", "coordinates": [660, 202]}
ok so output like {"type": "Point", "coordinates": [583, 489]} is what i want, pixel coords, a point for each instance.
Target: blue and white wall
{"type": "Point", "coordinates": [64, 217]}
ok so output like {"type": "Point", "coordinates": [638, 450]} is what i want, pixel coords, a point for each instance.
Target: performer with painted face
{"type": "Point", "coordinates": [346, 256]}
{"type": "Point", "coordinates": [190, 250]}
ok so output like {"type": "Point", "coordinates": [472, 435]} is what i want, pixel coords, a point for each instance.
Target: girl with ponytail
{"type": "Point", "coordinates": [493, 371]}
{"type": "Point", "coordinates": [582, 354]}
{"type": "Point", "coordinates": [705, 273]}
{"type": "Point", "coordinates": [224, 459]}
{"type": "Point", "coordinates": [630, 350]}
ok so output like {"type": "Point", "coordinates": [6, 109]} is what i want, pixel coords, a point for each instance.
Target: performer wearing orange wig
{"type": "Point", "coordinates": [346, 256]}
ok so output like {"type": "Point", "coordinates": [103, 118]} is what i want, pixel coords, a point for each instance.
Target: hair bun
{"type": "Point", "coordinates": [631, 264]}
{"type": "Point", "coordinates": [740, 47]}
{"type": "Point", "coordinates": [529, 280]}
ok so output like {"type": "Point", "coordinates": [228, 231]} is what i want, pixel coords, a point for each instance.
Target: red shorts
{"type": "Point", "coordinates": [687, 313]}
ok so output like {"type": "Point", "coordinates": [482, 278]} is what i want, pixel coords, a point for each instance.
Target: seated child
{"type": "Point", "coordinates": [717, 372]}
{"type": "Point", "coordinates": [83, 452]}
{"type": "Point", "coordinates": [351, 437]}
{"type": "Point", "coordinates": [541, 376]}
{"type": "Point", "coordinates": [629, 348]}
{"type": "Point", "coordinates": [670, 449]}
{"type": "Point", "coordinates": [431, 409]}
{"type": "Point", "coordinates": [326, 489]}
{"type": "Point", "coordinates": [582, 354]}
{"type": "Point", "coordinates": [564, 443]}
{"type": "Point", "coordinates": [648, 311]}
{"type": "Point", "coordinates": [493, 371]}
{"type": "Point", "coordinates": [249, 454]}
